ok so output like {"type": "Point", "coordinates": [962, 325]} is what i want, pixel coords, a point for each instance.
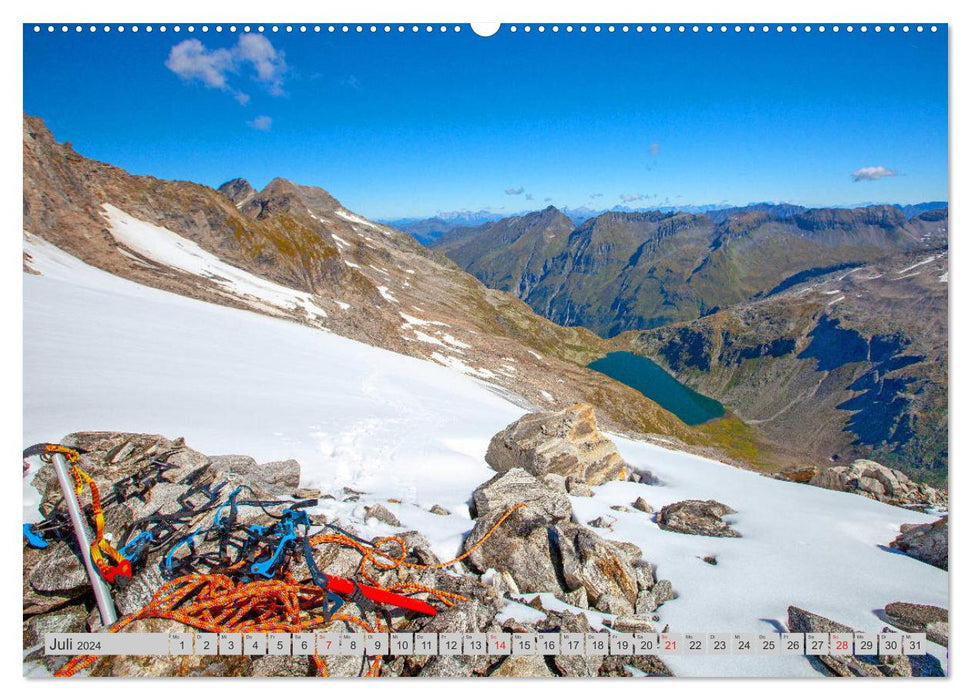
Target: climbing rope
{"type": "Point", "coordinates": [219, 603]}
{"type": "Point", "coordinates": [245, 582]}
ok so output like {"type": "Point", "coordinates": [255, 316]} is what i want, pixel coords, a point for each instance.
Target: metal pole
{"type": "Point", "coordinates": [102, 595]}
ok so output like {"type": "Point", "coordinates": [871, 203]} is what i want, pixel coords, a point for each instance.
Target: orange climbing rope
{"type": "Point", "coordinates": [385, 561]}
{"type": "Point", "coordinates": [217, 603]}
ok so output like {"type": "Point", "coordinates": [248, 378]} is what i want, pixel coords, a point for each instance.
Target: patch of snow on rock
{"type": "Point", "coordinates": [172, 250]}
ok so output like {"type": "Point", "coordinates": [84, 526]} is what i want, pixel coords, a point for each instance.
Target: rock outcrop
{"type": "Point", "coordinates": [542, 549]}
{"type": "Point", "coordinates": [800, 620]}
{"type": "Point", "coordinates": [696, 518]}
{"type": "Point", "coordinates": [873, 480]}
{"type": "Point", "coordinates": [566, 442]}
{"type": "Point", "coordinates": [913, 617]}
{"type": "Point", "coordinates": [926, 542]}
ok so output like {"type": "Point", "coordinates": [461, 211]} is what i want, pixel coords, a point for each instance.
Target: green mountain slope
{"type": "Point", "coordinates": [631, 271]}
{"type": "Point", "coordinates": [850, 364]}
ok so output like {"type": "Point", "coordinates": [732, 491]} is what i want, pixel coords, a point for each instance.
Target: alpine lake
{"type": "Point", "coordinates": [655, 383]}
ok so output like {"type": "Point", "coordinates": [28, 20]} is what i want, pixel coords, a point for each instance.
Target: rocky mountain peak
{"type": "Point", "coordinates": [238, 191]}
{"type": "Point", "coordinates": [285, 194]}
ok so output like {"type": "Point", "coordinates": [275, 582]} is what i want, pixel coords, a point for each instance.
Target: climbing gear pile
{"type": "Point", "coordinates": [226, 575]}
{"type": "Point", "coordinates": [111, 564]}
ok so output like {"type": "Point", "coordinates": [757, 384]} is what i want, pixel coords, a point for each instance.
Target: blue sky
{"type": "Point", "coordinates": [413, 124]}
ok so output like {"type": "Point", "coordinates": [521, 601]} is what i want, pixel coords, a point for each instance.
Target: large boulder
{"type": "Point", "coordinates": [696, 518]}
{"type": "Point", "coordinates": [873, 480]}
{"type": "Point", "coordinates": [516, 486]}
{"type": "Point", "coordinates": [913, 617]}
{"type": "Point", "coordinates": [603, 570]}
{"type": "Point", "coordinates": [281, 476]}
{"type": "Point", "coordinates": [541, 549]}
{"type": "Point", "coordinates": [522, 546]}
{"type": "Point", "coordinates": [565, 442]}
{"type": "Point", "coordinates": [927, 542]}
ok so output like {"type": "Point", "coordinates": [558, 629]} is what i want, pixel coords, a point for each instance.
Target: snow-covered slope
{"type": "Point", "coordinates": [102, 353]}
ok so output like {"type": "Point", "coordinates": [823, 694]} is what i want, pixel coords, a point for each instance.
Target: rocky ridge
{"type": "Point", "coordinates": [622, 271]}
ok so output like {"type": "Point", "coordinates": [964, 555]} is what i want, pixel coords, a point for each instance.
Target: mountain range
{"type": "Point", "coordinates": [825, 328]}
{"type": "Point", "coordinates": [635, 271]}
{"type": "Point", "coordinates": [428, 230]}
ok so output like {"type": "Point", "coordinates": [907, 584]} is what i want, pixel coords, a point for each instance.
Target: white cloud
{"type": "Point", "coordinates": [633, 197]}
{"type": "Point", "coordinates": [268, 63]}
{"type": "Point", "coordinates": [191, 60]}
{"type": "Point", "coordinates": [261, 123]}
{"type": "Point", "coordinates": [515, 190]}
{"type": "Point", "coordinates": [872, 172]}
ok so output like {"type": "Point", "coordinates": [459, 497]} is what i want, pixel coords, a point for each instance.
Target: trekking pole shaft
{"type": "Point", "coordinates": [102, 595]}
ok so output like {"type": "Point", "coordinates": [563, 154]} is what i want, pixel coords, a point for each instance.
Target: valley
{"type": "Point", "coordinates": [823, 328]}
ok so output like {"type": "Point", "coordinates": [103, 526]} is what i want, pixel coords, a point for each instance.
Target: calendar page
{"type": "Point", "coordinates": [520, 349]}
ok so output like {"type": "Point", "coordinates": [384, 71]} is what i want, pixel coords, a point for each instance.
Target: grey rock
{"type": "Point", "coordinates": [139, 591]}
{"type": "Point", "coordinates": [238, 464]}
{"type": "Point", "coordinates": [800, 620]}
{"type": "Point", "coordinates": [163, 498]}
{"type": "Point", "coordinates": [523, 667]}
{"type": "Point", "coordinates": [578, 487]}
{"type": "Point", "coordinates": [278, 477]}
{"type": "Point", "coordinates": [577, 598]}
{"type": "Point", "coordinates": [504, 584]}
{"type": "Point", "coordinates": [382, 514]}
{"type": "Point", "coordinates": [696, 518]}
{"type": "Point", "coordinates": [649, 665]}
{"type": "Point", "coordinates": [613, 605]}
{"type": "Point", "coordinates": [928, 543]}
{"type": "Point", "coordinates": [871, 479]}
{"type": "Point", "coordinates": [521, 546]}
{"type": "Point", "coordinates": [60, 572]}
{"type": "Point", "coordinates": [565, 442]}
{"type": "Point", "coordinates": [649, 600]}
{"type": "Point", "coordinates": [642, 505]}
{"type": "Point", "coordinates": [573, 666]}
{"type": "Point", "coordinates": [644, 572]}
{"type": "Point", "coordinates": [591, 562]}
{"type": "Point", "coordinates": [622, 509]}
{"type": "Point", "coordinates": [630, 550]}
{"type": "Point", "coordinates": [438, 510]}
{"type": "Point", "coordinates": [557, 482]}
{"type": "Point", "coordinates": [283, 666]}
{"type": "Point", "coordinates": [630, 624]}
{"type": "Point", "coordinates": [913, 617]}
{"type": "Point", "coordinates": [284, 474]}
{"type": "Point", "coordinates": [601, 522]}
{"type": "Point", "coordinates": [515, 486]}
